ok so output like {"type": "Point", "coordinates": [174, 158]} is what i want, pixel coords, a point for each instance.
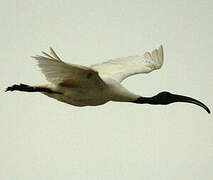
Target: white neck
{"type": "Point", "coordinates": [117, 92]}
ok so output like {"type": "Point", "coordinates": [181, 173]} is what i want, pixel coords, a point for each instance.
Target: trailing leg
{"type": "Point", "coordinates": [27, 88]}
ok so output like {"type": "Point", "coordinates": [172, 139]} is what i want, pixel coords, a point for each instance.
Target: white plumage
{"type": "Point", "coordinates": [121, 68]}
{"type": "Point", "coordinates": [90, 86]}
{"type": "Point", "coordinates": [99, 83]}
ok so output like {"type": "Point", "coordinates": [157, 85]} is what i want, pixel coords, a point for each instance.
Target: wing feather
{"type": "Point", "coordinates": [121, 68]}
{"type": "Point", "coordinates": [60, 73]}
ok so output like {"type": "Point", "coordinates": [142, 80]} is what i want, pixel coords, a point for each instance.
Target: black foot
{"type": "Point", "coordinates": [26, 88]}
{"type": "Point", "coordinates": [21, 87]}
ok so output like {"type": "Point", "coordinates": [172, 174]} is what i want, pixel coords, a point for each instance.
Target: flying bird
{"type": "Point", "coordinates": [100, 83]}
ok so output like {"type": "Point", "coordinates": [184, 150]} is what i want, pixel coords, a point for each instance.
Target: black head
{"type": "Point", "coordinates": [165, 98]}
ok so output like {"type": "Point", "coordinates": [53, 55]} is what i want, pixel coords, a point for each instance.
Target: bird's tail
{"type": "Point", "coordinates": [27, 88]}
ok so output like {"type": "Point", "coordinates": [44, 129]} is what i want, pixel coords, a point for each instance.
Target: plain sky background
{"type": "Point", "coordinates": [41, 138]}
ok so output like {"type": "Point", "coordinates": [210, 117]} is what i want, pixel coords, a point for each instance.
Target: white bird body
{"type": "Point", "coordinates": [78, 96]}
{"type": "Point", "coordinates": [91, 86]}
{"type": "Point", "coordinates": [83, 86]}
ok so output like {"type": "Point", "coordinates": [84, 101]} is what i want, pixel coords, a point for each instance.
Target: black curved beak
{"type": "Point", "coordinates": [165, 98]}
{"type": "Point", "coordinates": [180, 98]}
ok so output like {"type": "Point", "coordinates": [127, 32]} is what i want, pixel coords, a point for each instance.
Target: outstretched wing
{"type": "Point", "coordinates": [69, 75]}
{"type": "Point", "coordinates": [121, 68]}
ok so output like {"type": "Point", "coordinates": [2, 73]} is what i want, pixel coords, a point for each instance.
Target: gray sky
{"type": "Point", "coordinates": [41, 138]}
